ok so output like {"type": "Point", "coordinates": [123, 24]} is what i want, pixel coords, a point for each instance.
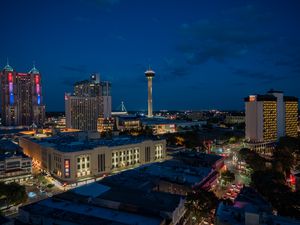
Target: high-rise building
{"type": "Point", "coordinates": [91, 100]}
{"type": "Point", "coordinates": [291, 116]}
{"type": "Point", "coordinates": [269, 117]}
{"type": "Point", "coordinates": [149, 75]}
{"type": "Point", "coordinates": [21, 97]}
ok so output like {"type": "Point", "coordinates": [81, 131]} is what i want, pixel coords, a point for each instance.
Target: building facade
{"type": "Point", "coordinates": [71, 160]}
{"type": "Point", "coordinates": [15, 167]}
{"type": "Point", "coordinates": [291, 116]}
{"type": "Point", "coordinates": [21, 97]}
{"type": "Point", "coordinates": [269, 117]}
{"type": "Point", "coordinates": [91, 100]}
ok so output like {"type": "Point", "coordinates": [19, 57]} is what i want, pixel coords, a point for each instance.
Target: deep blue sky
{"type": "Point", "coordinates": [206, 54]}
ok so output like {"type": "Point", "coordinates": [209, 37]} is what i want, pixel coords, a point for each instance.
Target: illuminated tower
{"type": "Point", "coordinates": [21, 97]}
{"type": "Point", "coordinates": [149, 75]}
{"type": "Point", "coordinates": [38, 108]}
{"type": "Point", "coordinates": [8, 92]}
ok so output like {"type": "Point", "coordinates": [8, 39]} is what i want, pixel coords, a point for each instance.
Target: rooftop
{"type": "Point", "coordinates": [8, 68]}
{"type": "Point", "coordinates": [86, 213]}
{"type": "Point", "coordinates": [9, 155]}
{"type": "Point", "coordinates": [7, 146]}
{"type": "Point", "coordinates": [147, 177]}
{"type": "Point", "coordinates": [68, 143]}
{"type": "Point", "coordinates": [34, 70]}
{"type": "Point", "coordinates": [266, 97]}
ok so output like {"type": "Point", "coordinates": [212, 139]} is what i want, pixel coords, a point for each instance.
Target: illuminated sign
{"type": "Point", "coordinates": [252, 98]}
{"type": "Point", "coordinates": [67, 168]}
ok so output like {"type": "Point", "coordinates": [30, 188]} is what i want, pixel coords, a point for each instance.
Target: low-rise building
{"type": "Point", "coordinates": [235, 118]}
{"type": "Point", "coordinates": [152, 194]}
{"type": "Point", "coordinates": [164, 126]}
{"type": "Point", "coordinates": [128, 123]}
{"type": "Point", "coordinates": [105, 124]}
{"type": "Point", "coordinates": [73, 159]}
{"type": "Point", "coordinates": [14, 165]}
{"type": "Point", "coordinates": [108, 204]}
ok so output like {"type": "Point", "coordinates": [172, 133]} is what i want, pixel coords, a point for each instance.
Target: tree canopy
{"type": "Point", "coordinates": [201, 203]}
{"type": "Point", "coordinates": [13, 192]}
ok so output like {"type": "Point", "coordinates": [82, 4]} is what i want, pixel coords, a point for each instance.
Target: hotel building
{"type": "Point", "coordinates": [291, 116]}
{"type": "Point", "coordinates": [21, 97]}
{"type": "Point", "coordinates": [269, 117]}
{"type": "Point", "coordinates": [91, 100]}
{"type": "Point", "coordinates": [73, 159]}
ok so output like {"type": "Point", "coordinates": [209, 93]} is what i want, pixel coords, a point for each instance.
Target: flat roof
{"type": "Point", "coordinates": [87, 213]}
{"type": "Point", "coordinates": [72, 144]}
{"type": "Point", "coordinates": [178, 172]}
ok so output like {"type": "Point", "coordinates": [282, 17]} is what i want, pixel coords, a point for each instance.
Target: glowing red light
{"type": "Point", "coordinates": [37, 79]}
{"type": "Point", "coordinates": [293, 179]}
{"type": "Point", "coordinates": [9, 77]}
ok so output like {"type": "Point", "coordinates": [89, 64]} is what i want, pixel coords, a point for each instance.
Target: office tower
{"type": "Point", "coordinates": [269, 117]}
{"type": "Point", "coordinates": [149, 75]}
{"type": "Point", "coordinates": [91, 100]}
{"type": "Point", "coordinates": [21, 97]}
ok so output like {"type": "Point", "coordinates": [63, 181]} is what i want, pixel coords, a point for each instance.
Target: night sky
{"type": "Point", "coordinates": [206, 54]}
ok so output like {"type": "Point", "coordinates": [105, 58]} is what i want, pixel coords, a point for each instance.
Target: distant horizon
{"type": "Point", "coordinates": [205, 54]}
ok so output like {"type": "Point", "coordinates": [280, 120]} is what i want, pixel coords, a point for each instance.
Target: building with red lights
{"type": "Point", "coordinates": [21, 97]}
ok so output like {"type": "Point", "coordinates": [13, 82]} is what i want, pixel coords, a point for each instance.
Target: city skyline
{"type": "Point", "coordinates": [205, 55]}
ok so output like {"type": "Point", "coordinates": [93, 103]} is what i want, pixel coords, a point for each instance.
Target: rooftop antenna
{"type": "Point", "coordinates": [7, 61]}
{"type": "Point", "coordinates": [33, 63]}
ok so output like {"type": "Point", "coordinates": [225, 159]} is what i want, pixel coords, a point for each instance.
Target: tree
{"type": "Point", "coordinates": [201, 204]}
{"type": "Point", "coordinates": [254, 160]}
{"type": "Point", "coordinates": [284, 160]}
{"type": "Point", "coordinates": [14, 193]}
{"type": "Point", "coordinates": [227, 176]}
{"type": "Point", "coordinates": [272, 185]}
{"type": "Point", "coordinates": [290, 143]}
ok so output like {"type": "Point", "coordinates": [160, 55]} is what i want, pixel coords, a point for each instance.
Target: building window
{"type": "Point", "coordinates": [83, 165]}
